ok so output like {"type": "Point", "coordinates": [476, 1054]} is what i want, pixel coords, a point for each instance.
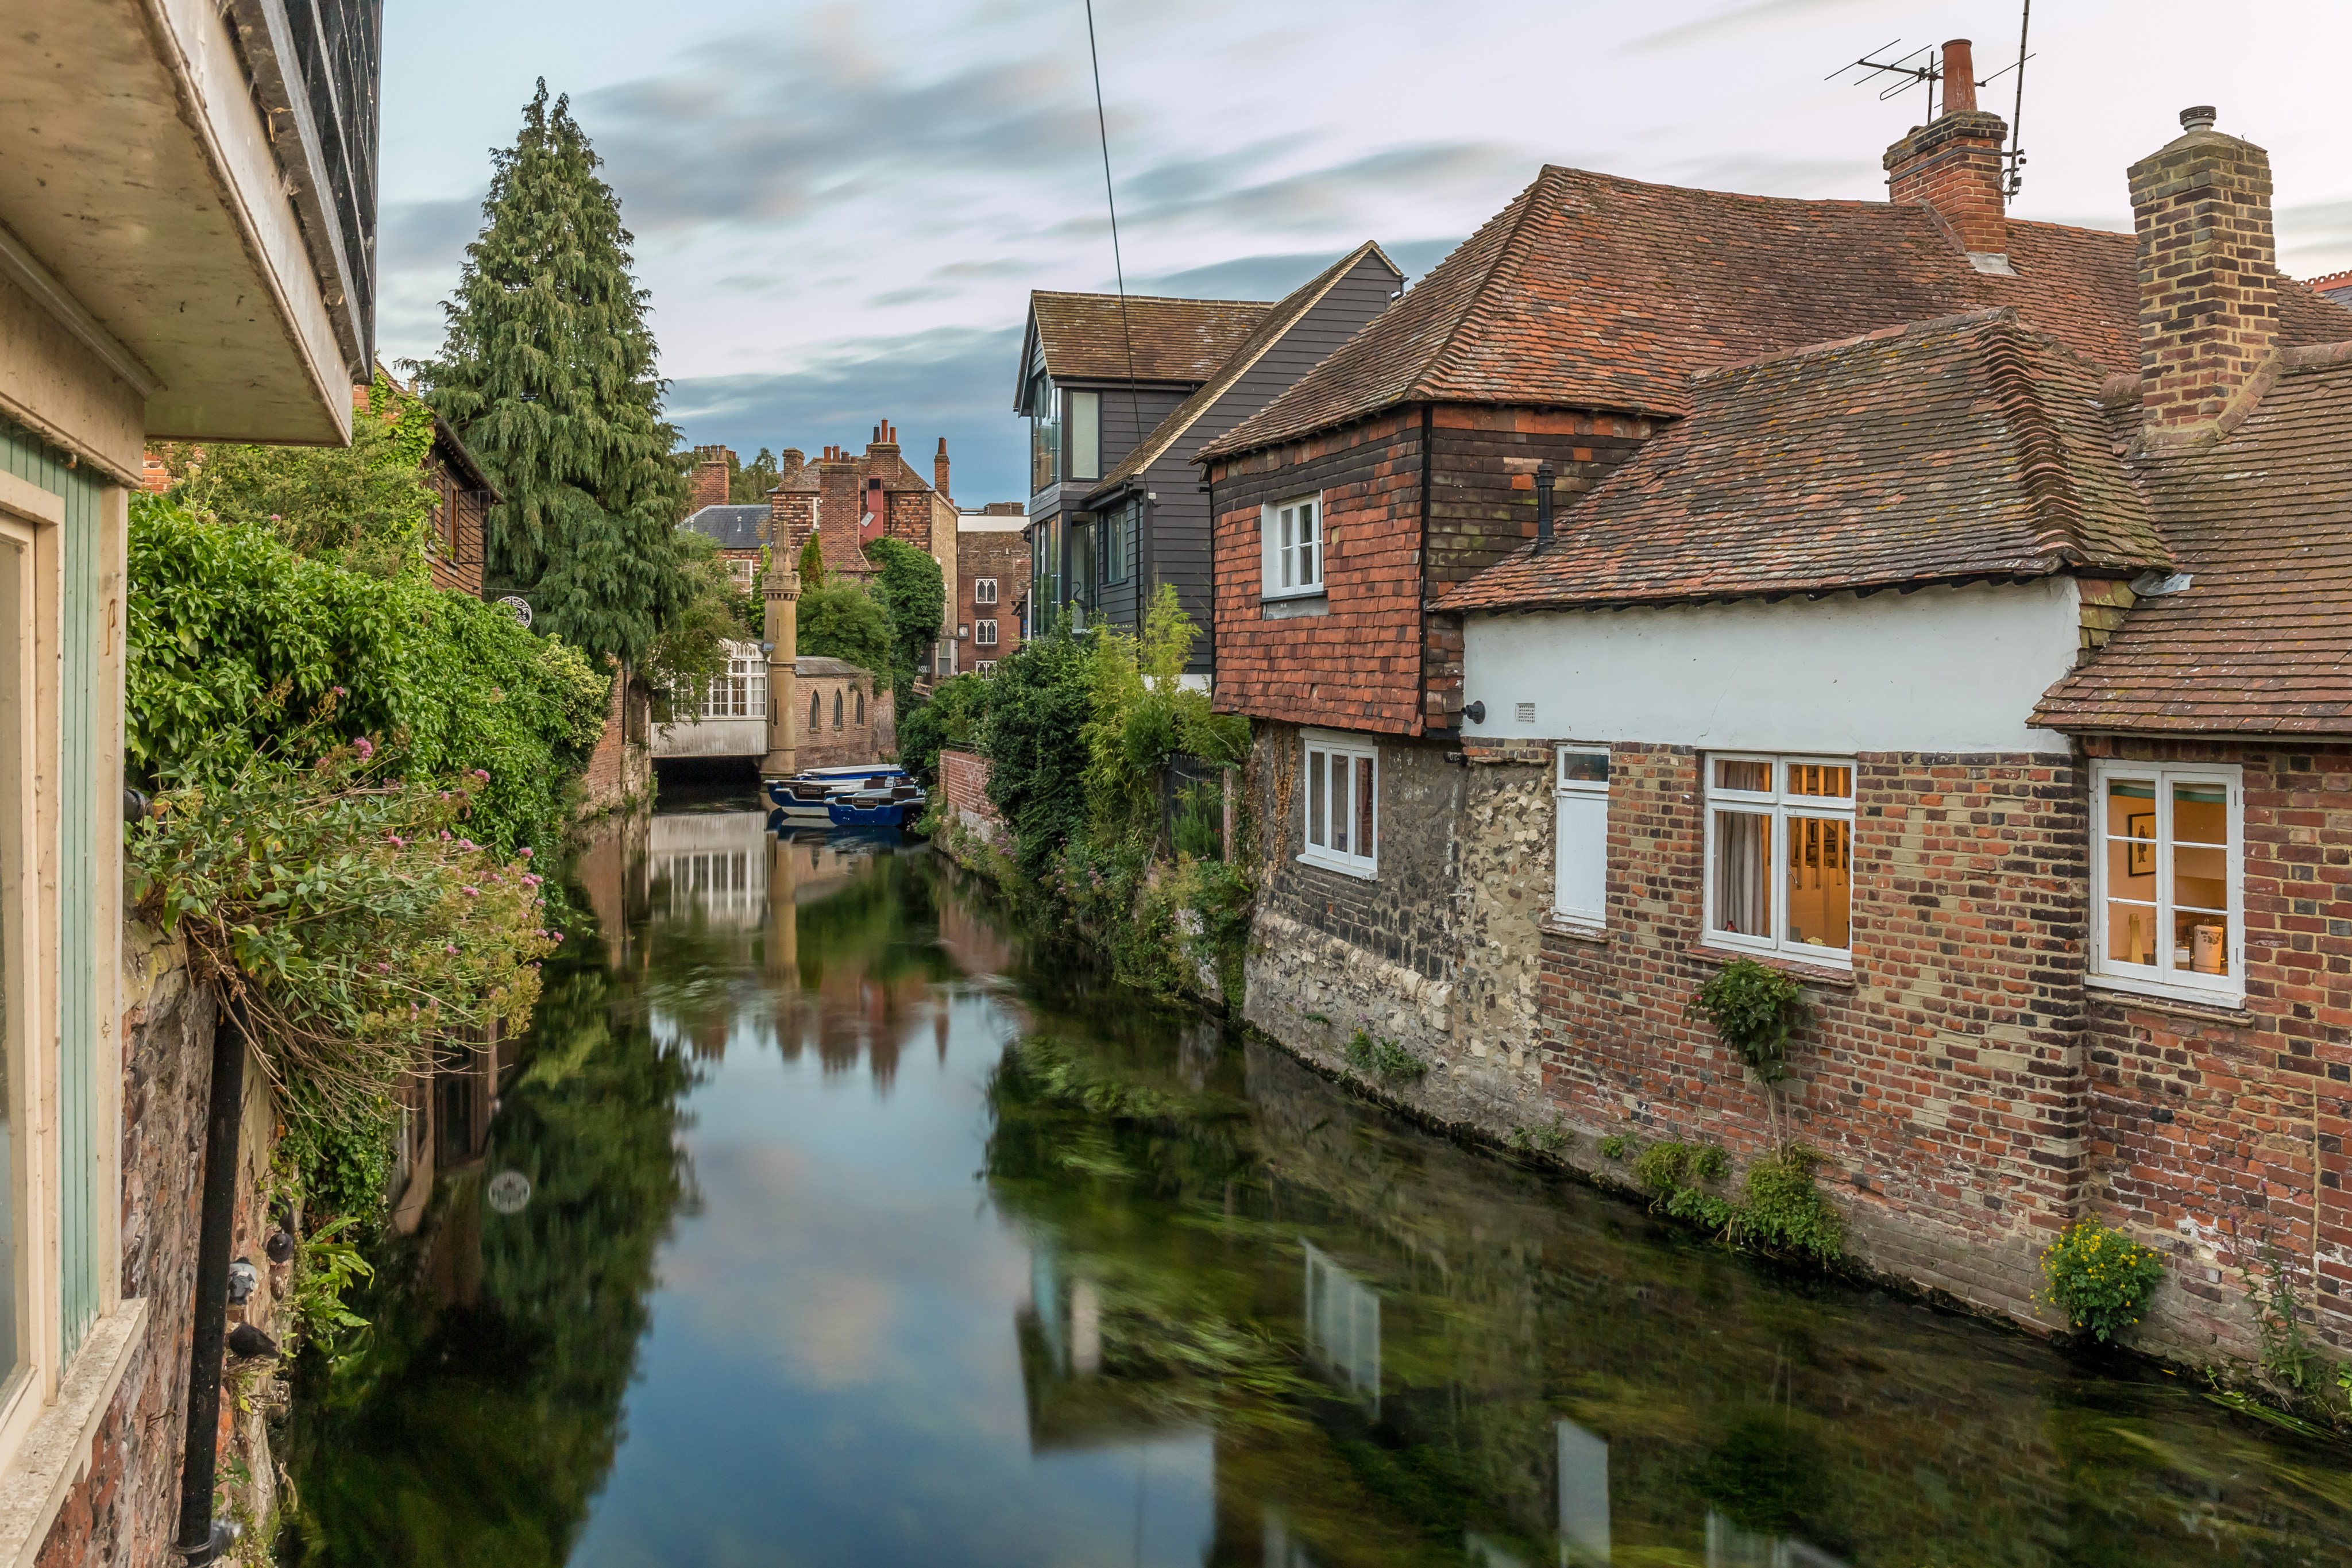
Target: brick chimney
{"type": "Point", "coordinates": [711, 467]}
{"type": "Point", "coordinates": [939, 468]}
{"type": "Point", "coordinates": [1953, 163]}
{"type": "Point", "coordinates": [2208, 314]}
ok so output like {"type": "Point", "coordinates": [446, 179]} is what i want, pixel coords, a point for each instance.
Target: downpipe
{"type": "Point", "coordinates": [204, 1539]}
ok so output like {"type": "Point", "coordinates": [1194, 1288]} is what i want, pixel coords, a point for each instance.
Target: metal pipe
{"type": "Point", "coordinates": [202, 1539]}
{"type": "Point", "coordinates": [1543, 507]}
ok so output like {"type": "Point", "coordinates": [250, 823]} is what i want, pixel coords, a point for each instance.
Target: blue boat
{"type": "Point", "coordinates": [892, 805]}
{"type": "Point", "coordinates": [805, 797]}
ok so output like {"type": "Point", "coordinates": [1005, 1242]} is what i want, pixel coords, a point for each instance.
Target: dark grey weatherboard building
{"type": "Point", "coordinates": [1152, 512]}
{"type": "Point", "coordinates": [1116, 507]}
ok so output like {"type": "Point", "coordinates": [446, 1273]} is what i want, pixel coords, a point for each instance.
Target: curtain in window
{"type": "Point", "coordinates": [1743, 887]}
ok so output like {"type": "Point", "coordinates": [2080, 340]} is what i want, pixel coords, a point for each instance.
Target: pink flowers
{"type": "Point", "coordinates": [363, 747]}
{"type": "Point", "coordinates": [398, 841]}
{"type": "Point", "coordinates": [467, 843]}
{"type": "Point", "coordinates": [471, 893]}
{"type": "Point", "coordinates": [450, 948]}
{"type": "Point", "coordinates": [445, 835]}
{"type": "Point", "coordinates": [524, 852]}
{"type": "Point", "coordinates": [337, 691]}
{"type": "Point", "coordinates": [530, 880]}
{"type": "Point", "coordinates": [483, 774]}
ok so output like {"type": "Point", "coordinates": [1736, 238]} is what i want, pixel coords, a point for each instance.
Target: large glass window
{"type": "Point", "coordinates": [1293, 533]}
{"type": "Point", "coordinates": [1119, 542]}
{"type": "Point", "coordinates": [740, 693]}
{"type": "Point", "coordinates": [1343, 792]}
{"type": "Point", "coordinates": [2169, 914]}
{"type": "Point", "coordinates": [1779, 855]}
{"type": "Point", "coordinates": [1579, 884]}
{"type": "Point", "coordinates": [1082, 433]}
{"type": "Point", "coordinates": [1044, 437]}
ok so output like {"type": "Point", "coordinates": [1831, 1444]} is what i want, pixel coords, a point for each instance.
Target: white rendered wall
{"type": "Point", "coordinates": [1943, 669]}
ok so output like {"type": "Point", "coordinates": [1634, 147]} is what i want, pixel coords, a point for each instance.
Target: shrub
{"type": "Point", "coordinates": [1383, 1059]}
{"type": "Point", "coordinates": [1037, 778]}
{"type": "Point", "coordinates": [2099, 1278]}
{"type": "Point", "coordinates": [1614, 1146]}
{"type": "Point", "coordinates": [1676, 1174]}
{"type": "Point", "coordinates": [912, 592]}
{"type": "Point", "coordinates": [1780, 1209]}
{"type": "Point", "coordinates": [1754, 1011]}
{"type": "Point", "coordinates": [841, 620]}
{"type": "Point", "coordinates": [953, 715]}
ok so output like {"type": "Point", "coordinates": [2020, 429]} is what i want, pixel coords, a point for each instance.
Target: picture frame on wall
{"type": "Point", "coordinates": [2140, 851]}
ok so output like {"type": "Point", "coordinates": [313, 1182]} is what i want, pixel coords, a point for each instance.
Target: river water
{"type": "Point", "coordinates": [827, 1217]}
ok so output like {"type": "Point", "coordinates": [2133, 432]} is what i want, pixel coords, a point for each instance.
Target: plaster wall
{"type": "Point", "coordinates": [1943, 669]}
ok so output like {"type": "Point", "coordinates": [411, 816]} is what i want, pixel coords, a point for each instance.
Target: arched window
{"type": "Point", "coordinates": [814, 711]}
{"type": "Point", "coordinates": [837, 707]}
{"type": "Point", "coordinates": [861, 705]}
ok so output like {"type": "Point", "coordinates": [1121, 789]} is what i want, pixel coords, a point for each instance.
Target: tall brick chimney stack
{"type": "Point", "coordinates": [709, 480]}
{"type": "Point", "coordinates": [1953, 163]}
{"type": "Point", "coordinates": [939, 468]}
{"type": "Point", "coordinates": [2208, 313]}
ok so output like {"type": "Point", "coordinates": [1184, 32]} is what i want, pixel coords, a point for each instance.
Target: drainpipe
{"type": "Point", "coordinates": [203, 1539]}
{"type": "Point", "coordinates": [1543, 507]}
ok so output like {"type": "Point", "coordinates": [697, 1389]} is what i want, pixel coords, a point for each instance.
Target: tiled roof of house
{"type": "Point", "coordinates": [2259, 520]}
{"type": "Point", "coordinates": [1280, 317]}
{"type": "Point", "coordinates": [1951, 450]}
{"type": "Point", "coordinates": [843, 555]}
{"type": "Point", "coordinates": [731, 527]}
{"type": "Point", "coordinates": [1084, 338]}
{"type": "Point", "coordinates": [1593, 291]}
{"type": "Point", "coordinates": [2335, 285]}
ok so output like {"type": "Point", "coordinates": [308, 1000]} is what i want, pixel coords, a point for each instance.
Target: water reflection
{"type": "Point", "coordinates": [863, 1227]}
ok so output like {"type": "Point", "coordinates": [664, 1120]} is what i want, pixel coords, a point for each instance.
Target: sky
{"type": "Point", "coordinates": [839, 210]}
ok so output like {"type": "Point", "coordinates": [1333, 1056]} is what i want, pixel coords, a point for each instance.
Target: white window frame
{"type": "Point", "coordinates": [1778, 805]}
{"type": "Point", "coordinates": [1280, 573]}
{"type": "Point", "coordinates": [983, 634]}
{"type": "Point", "coordinates": [983, 666]}
{"type": "Point", "coordinates": [1351, 749]}
{"type": "Point", "coordinates": [1573, 804]}
{"type": "Point", "coordinates": [983, 589]}
{"type": "Point", "coordinates": [2168, 979]}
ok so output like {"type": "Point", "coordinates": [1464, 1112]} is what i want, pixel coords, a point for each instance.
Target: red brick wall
{"type": "Point", "coordinates": [2207, 1125]}
{"type": "Point", "coordinates": [1373, 661]}
{"type": "Point", "coordinates": [987, 552]}
{"type": "Point", "coordinates": [1941, 1079]}
{"type": "Point", "coordinates": [621, 767]}
{"type": "Point", "coordinates": [824, 744]}
{"type": "Point", "coordinates": [963, 783]}
{"type": "Point", "coordinates": [455, 556]}
{"type": "Point", "coordinates": [791, 518]}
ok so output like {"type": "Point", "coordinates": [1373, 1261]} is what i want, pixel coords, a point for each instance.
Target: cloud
{"type": "Point", "coordinates": [1271, 276]}
{"type": "Point", "coordinates": [1348, 192]}
{"type": "Point", "coordinates": [426, 235]}
{"type": "Point", "coordinates": [1752, 14]}
{"type": "Point", "coordinates": [1762, 174]}
{"type": "Point", "coordinates": [950, 381]}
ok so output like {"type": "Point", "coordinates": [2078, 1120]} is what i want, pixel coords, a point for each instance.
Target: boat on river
{"type": "Point", "coordinates": [806, 796]}
{"type": "Point", "coordinates": [897, 807]}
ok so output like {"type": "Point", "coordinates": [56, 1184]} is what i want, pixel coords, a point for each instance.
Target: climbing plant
{"type": "Point", "coordinates": [1755, 1011]}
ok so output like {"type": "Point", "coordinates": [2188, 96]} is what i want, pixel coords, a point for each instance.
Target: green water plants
{"type": "Point", "coordinates": [2100, 1277]}
{"type": "Point", "coordinates": [1781, 1209]}
{"type": "Point", "coordinates": [1383, 1059]}
{"type": "Point", "coordinates": [1678, 1174]}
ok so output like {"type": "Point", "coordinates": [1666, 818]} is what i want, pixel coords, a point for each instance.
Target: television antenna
{"type": "Point", "coordinates": [1923, 67]}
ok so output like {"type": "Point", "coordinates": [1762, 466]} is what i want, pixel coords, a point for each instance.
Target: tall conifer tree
{"type": "Point", "coordinates": [548, 374]}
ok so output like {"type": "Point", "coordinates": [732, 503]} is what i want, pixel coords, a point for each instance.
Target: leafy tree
{"type": "Point", "coordinates": [548, 374]}
{"type": "Point", "coordinates": [748, 483]}
{"type": "Point", "coordinates": [913, 592]}
{"type": "Point", "coordinates": [364, 506]}
{"type": "Point", "coordinates": [954, 716]}
{"type": "Point", "coordinates": [1037, 706]}
{"type": "Point", "coordinates": [841, 620]}
{"type": "Point", "coordinates": [813, 563]}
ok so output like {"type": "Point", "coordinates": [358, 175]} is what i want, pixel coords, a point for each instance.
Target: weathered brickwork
{"type": "Point", "coordinates": [621, 768]}
{"type": "Point", "coordinates": [964, 784]}
{"type": "Point", "coordinates": [2208, 1125]}
{"type": "Point", "coordinates": [1397, 530]}
{"type": "Point", "coordinates": [846, 718]}
{"type": "Point", "coordinates": [1001, 557]}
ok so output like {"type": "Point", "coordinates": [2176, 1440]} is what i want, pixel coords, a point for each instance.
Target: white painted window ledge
{"type": "Point", "coordinates": [57, 1451]}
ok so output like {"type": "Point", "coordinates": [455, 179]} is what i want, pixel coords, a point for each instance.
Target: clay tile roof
{"type": "Point", "coordinates": [1280, 317]}
{"type": "Point", "coordinates": [1175, 339]}
{"type": "Point", "coordinates": [1946, 451]}
{"type": "Point", "coordinates": [2335, 285]}
{"type": "Point", "coordinates": [2261, 522]}
{"type": "Point", "coordinates": [843, 555]}
{"type": "Point", "coordinates": [1593, 291]}
{"type": "Point", "coordinates": [733, 527]}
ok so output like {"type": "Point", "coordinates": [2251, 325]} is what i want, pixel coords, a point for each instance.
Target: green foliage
{"type": "Point", "coordinates": [1677, 1175]}
{"type": "Point", "coordinates": [1038, 702]}
{"type": "Point", "coordinates": [337, 1152]}
{"type": "Point", "coordinates": [548, 374]}
{"type": "Point", "coordinates": [1615, 1145]}
{"type": "Point", "coordinates": [1548, 1139]}
{"type": "Point", "coordinates": [2099, 1278]}
{"type": "Point", "coordinates": [840, 620]}
{"type": "Point", "coordinates": [346, 909]}
{"type": "Point", "coordinates": [692, 647]}
{"type": "Point", "coordinates": [1139, 714]}
{"type": "Point", "coordinates": [1782, 1211]}
{"type": "Point", "coordinates": [364, 506]}
{"type": "Point", "coordinates": [325, 1267]}
{"type": "Point", "coordinates": [1754, 1011]}
{"type": "Point", "coordinates": [2288, 1355]}
{"type": "Point", "coordinates": [236, 639]}
{"type": "Point", "coordinates": [954, 716]}
{"type": "Point", "coordinates": [1383, 1059]}
{"type": "Point", "coordinates": [749, 483]}
{"type": "Point", "coordinates": [912, 591]}
{"type": "Point", "coordinates": [1199, 822]}
{"type": "Point", "coordinates": [812, 565]}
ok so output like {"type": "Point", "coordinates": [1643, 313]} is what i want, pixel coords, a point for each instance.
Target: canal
{"type": "Point", "coordinates": [827, 1217]}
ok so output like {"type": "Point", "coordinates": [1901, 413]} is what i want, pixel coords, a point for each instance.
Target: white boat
{"type": "Point", "coordinates": [808, 795]}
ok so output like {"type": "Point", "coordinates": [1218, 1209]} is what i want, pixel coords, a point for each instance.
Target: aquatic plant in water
{"type": "Point", "coordinates": [2099, 1278]}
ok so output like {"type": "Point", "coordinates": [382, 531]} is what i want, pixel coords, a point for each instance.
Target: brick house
{"type": "Point", "coordinates": [848, 714]}
{"type": "Point", "coordinates": [1770, 689]}
{"type": "Point", "coordinates": [740, 533]}
{"type": "Point", "coordinates": [463, 496]}
{"type": "Point", "coordinates": [848, 499]}
{"type": "Point", "coordinates": [988, 613]}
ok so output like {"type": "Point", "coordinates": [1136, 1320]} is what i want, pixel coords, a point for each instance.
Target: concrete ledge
{"type": "Point", "coordinates": [57, 1451]}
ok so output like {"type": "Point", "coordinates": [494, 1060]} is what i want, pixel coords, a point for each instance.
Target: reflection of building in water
{"type": "Point", "coordinates": [1343, 1326]}
{"type": "Point", "coordinates": [1729, 1546]}
{"type": "Point", "coordinates": [1071, 1406]}
{"type": "Point", "coordinates": [1583, 1495]}
{"type": "Point", "coordinates": [711, 864]}
{"type": "Point", "coordinates": [1281, 1551]}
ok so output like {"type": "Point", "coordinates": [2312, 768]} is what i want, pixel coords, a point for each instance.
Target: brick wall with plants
{"type": "Point", "coordinates": [2217, 1135]}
